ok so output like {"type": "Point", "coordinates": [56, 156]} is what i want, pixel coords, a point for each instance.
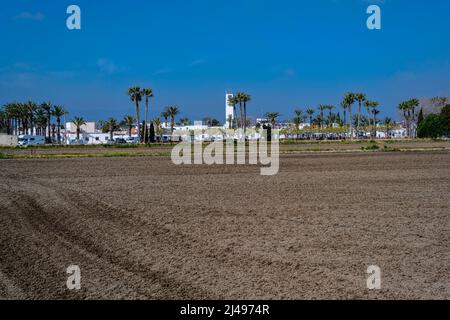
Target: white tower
{"type": "Point", "coordinates": [229, 110]}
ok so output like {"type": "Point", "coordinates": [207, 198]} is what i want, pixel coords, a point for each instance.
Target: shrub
{"type": "Point", "coordinates": [371, 147]}
{"type": "Point", "coordinates": [433, 126]}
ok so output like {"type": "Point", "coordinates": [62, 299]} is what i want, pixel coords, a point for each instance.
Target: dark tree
{"type": "Point", "coordinates": [433, 126]}
{"type": "Point", "coordinates": [152, 133]}
{"type": "Point", "coordinates": [420, 117]}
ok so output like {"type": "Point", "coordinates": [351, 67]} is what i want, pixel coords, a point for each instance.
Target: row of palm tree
{"type": "Point", "coordinates": [242, 99]}
{"type": "Point", "coordinates": [351, 98]}
{"type": "Point", "coordinates": [408, 110]}
{"type": "Point", "coordinates": [136, 94]}
{"type": "Point", "coordinates": [32, 118]}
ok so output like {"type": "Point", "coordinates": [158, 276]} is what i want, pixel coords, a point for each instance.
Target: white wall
{"type": "Point", "coordinates": [7, 140]}
{"type": "Point", "coordinates": [88, 127]}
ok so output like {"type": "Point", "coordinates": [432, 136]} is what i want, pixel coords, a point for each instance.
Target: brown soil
{"type": "Point", "coordinates": [144, 228]}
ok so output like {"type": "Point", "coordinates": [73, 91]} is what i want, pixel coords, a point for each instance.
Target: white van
{"type": "Point", "coordinates": [27, 140]}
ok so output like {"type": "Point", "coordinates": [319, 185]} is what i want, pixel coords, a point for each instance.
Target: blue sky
{"type": "Point", "coordinates": [286, 54]}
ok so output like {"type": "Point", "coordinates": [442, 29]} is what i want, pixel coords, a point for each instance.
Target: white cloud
{"type": "Point", "coordinates": [197, 62]}
{"type": "Point", "coordinates": [107, 66]}
{"type": "Point", "coordinates": [25, 15]}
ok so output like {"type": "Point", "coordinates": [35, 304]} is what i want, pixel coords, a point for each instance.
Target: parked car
{"type": "Point", "coordinates": [132, 140]}
{"type": "Point", "coordinates": [28, 140]}
{"type": "Point", "coordinates": [76, 142]}
{"type": "Point", "coordinates": [120, 141]}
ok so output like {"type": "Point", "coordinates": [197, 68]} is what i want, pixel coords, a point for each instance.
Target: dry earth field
{"type": "Point", "coordinates": [141, 227]}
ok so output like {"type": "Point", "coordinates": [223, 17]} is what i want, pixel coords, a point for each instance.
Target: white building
{"type": "Point", "coordinates": [229, 110]}
{"type": "Point", "coordinates": [88, 127]}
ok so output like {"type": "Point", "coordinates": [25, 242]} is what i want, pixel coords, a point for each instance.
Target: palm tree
{"type": "Point", "coordinates": [369, 106]}
{"type": "Point", "coordinates": [128, 121]}
{"type": "Point", "coordinates": [375, 111]}
{"type": "Point", "coordinates": [344, 113]}
{"type": "Point", "coordinates": [112, 126]}
{"type": "Point", "coordinates": [310, 112]}
{"type": "Point", "coordinates": [148, 93]}
{"type": "Point", "coordinates": [321, 109]}
{"type": "Point", "coordinates": [330, 114]}
{"type": "Point", "coordinates": [185, 121]}
{"type": "Point", "coordinates": [409, 113]}
{"type": "Point", "coordinates": [349, 100]}
{"type": "Point", "coordinates": [298, 116]}
{"type": "Point", "coordinates": [361, 98]}
{"type": "Point", "coordinates": [58, 112]}
{"type": "Point", "coordinates": [230, 121]}
{"type": "Point", "coordinates": [78, 122]}
{"type": "Point", "coordinates": [240, 96]}
{"type": "Point", "coordinates": [41, 121]}
{"type": "Point", "coordinates": [8, 110]}
{"type": "Point", "coordinates": [157, 123]}
{"type": "Point", "coordinates": [414, 103]}
{"type": "Point", "coordinates": [47, 107]}
{"type": "Point", "coordinates": [388, 124]}
{"type": "Point", "coordinates": [272, 117]}
{"type": "Point", "coordinates": [246, 98]}
{"type": "Point", "coordinates": [165, 115]}
{"type": "Point", "coordinates": [172, 111]}
{"type": "Point", "coordinates": [31, 109]}
{"type": "Point", "coordinates": [135, 95]}
{"type": "Point", "coordinates": [233, 101]}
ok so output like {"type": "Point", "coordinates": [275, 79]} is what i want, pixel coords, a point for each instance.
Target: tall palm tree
{"type": "Point", "coordinates": [47, 107]}
{"type": "Point", "coordinates": [233, 101]}
{"type": "Point", "coordinates": [112, 126]}
{"type": "Point", "coordinates": [298, 117]}
{"type": "Point", "coordinates": [41, 121]}
{"type": "Point", "coordinates": [240, 96]}
{"type": "Point", "coordinates": [344, 113]}
{"type": "Point", "coordinates": [272, 117]}
{"type": "Point", "coordinates": [245, 99]}
{"type": "Point", "coordinates": [230, 121]}
{"type": "Point", "coordinates": [409, 113]}
{"type": "Point", "coordinates": [58, 112]}
{"type": "Point", "coordinates": [310, 112]}
{"type": "Point", "coordinates": [172, 111]}
{"type": "Point", "coordinates": [321, 109]}
{"type": "Point", "coordinates": [78, 122]}
{"type": "Point", "coordinates": [414, 104]}
{"type": "Point", "coordinates": [361, 98]}
{"type": "Point", "coordinates": [165, 115]}
{"type": "Point", "coordinates": [31, 109]}
{"type": "Point", "coordinates": [128, 121]}
{"type": "Point", "coordinates": [375, 112]}
{"type": "Point", "coordinates": [330, 118]}
{"type": "Point", "coordinates": [157, 123]}
{"type": "Point", "coordinates": [9, 115]}
{"type": "Point", "coordinates": [148, 93]}
{"type": "Point", "coordinates": [369, 105]}
{"type": "Point", "coordinates": [135, 95]}
{"type": "Point", "coordinates": [349, 100]}
{"type": "Point", "coordinates": [388, 124]}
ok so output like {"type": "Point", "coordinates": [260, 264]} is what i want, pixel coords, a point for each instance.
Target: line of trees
{"type": "Point", "coordinates": [45, 118]}
{"type": "Point", "coordinates": [32, 118]}
{"type": "Point", "coordinates": [136, 95]}
{"type": "Point", "coordinates": [242, 100]}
